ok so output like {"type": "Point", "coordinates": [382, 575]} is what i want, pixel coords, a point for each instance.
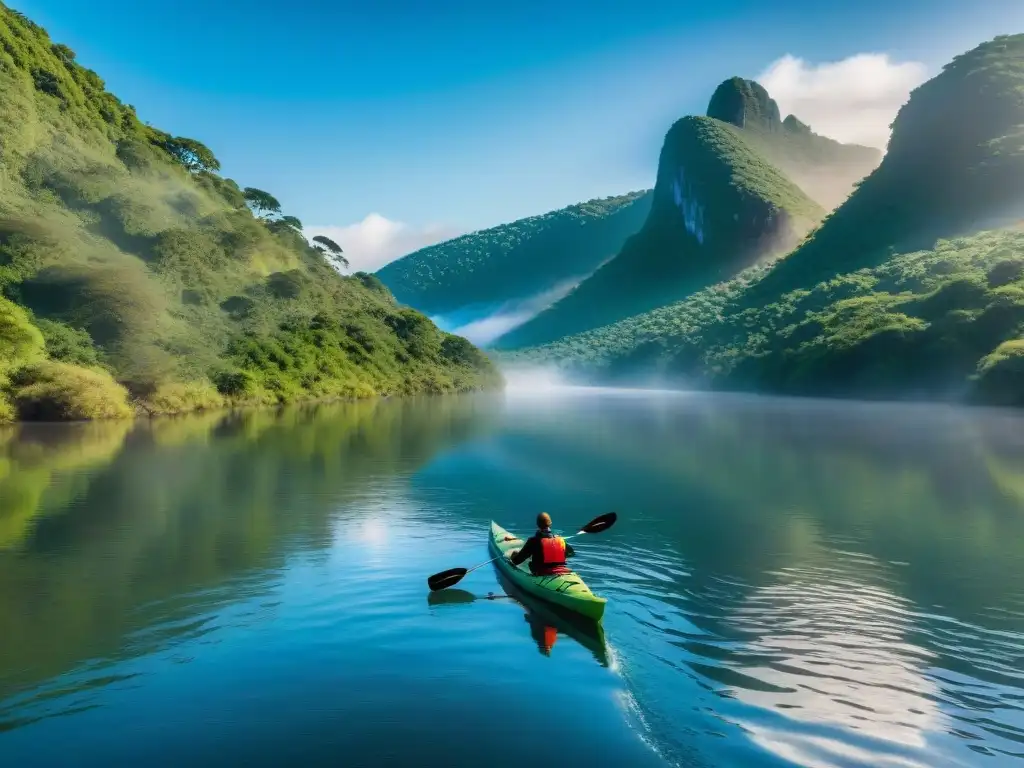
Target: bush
{"type": "Point", "coordinates": [1000, 378]}
{"type": "Point", "coordinates": [20, 341]}
{"type": "Point", "coordinates": [52, 391]}
{"type": "Point", "coordinates": [459, 350]}
{"type": "Point", "coordinates": [7, 412]}
{"type": "Point", "coordinates": [182, 397]}
{"type": "Point", "coordinates": [236, 384]}
{"type": "Point", "coordinates": [67, 344]}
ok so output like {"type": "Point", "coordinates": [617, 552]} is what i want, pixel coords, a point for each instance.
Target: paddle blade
{"type": "Point", "coordinates": [446, 579]}
{"type": "Point", "coordinates": [602, 523]}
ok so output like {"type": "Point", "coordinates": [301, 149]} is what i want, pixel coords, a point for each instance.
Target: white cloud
{"type": "Point", "coordinates": [376, 240]}
{"type": "Point", "coordinates": [853, 100]}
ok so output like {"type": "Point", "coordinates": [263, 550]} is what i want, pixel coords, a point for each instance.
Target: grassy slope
{"type": "Point", "coordinates": [516, 260]}
{"type": "Point", "coordinates": [128, 281]}
{"type": "Point", "coordinates": [719, 206]}
{"type": "Point", "coordinates": [858, 310]}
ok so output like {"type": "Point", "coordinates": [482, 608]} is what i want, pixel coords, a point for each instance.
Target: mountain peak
{"type": "Point", "coordinates": [745, 104]}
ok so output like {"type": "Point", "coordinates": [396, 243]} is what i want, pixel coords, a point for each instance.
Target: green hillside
{"type": "Point", "coordinates": [862, 309]}
{"type": "Point", "coordinates": [516, 260]}
{"type": "Point", "coordinates": [719, 206]}
{"type": "Point", "coordinates": [134, 277]}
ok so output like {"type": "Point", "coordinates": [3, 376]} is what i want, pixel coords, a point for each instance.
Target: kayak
{"type": "Point", "coordinates": [567, 590]}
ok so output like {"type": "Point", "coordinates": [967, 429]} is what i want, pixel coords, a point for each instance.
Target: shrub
{"type": "Point", "coordinates": [236, 384]}
{"type": "Point", "coordinates": [20, 341]}
{"type": "Point", "coordinates": [53, 391]}
{"type": "Point", "coordinates": [182, 397]}
{"type": "Point", "coordinates": [67, 344]}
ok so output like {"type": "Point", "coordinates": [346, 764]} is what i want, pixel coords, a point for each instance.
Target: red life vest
{"type": "Point", "coordinates": [552, 554]}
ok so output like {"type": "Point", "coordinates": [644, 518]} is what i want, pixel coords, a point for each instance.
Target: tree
{"type": "Point", "coordinates": [62, 52]}
{"type": "Point", "coordinates": [330, 250]}
{"type": "Point", "coordinates": [292, 222]}
{"type": "Point", "coordinates": [262, 203]}
{"type": "Point", "coordinates": [192, 154]}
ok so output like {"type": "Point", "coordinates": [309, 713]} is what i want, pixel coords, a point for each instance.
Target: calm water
{"type": "Point", "coordinates": [789, 584]}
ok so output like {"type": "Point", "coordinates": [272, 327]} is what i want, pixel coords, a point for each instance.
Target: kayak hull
{"type": "Point", "coordinates": [566, 590]}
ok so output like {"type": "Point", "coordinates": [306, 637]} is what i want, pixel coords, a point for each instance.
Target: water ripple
{"type": "Point", "coordinates": [825, 664]}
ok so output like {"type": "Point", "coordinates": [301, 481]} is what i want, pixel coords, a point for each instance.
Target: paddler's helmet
{"type": "Point", "coordinates": [543, 520]}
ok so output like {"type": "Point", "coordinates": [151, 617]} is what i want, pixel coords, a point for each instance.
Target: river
{"type": "Point", "coordinates": [789, 583]}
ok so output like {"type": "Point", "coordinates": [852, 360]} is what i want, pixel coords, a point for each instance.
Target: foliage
{"type": "Point", "coordinates": [121, 249]}
{"type": "Point", "coordinates": [52, 391]}
{"type": "Point", "coordinates": [67, 344]}
{"type": "Point", "coordinates": [331, 251]}
{"type": "Point", "coordinates": [954, 165]}
{"type": "Point", "coordinates": [20, 341]}
{"type": "Point", "coordinates": [183, 397]}
{"type": "Point", "coordinates": [911, 288]}
{"type": "Point", "coordinates": [193, 155]}
{"type": "Point", "coordinates": [718, 207]}
{"type": "Point", "coordinates": [516, 260]}
{"type": "Point", "coordinates": [942, 323]}
{"type": "Point", "coordinates": [262, 203]}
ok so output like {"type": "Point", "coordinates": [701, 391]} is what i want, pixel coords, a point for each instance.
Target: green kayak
{"type": "Point", "coordinates": [566, 590]}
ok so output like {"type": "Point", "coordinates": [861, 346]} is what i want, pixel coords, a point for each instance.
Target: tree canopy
{"type": "Point", "coordinates": [192, 154]}
{"type": "Point", "coordinates": [262, 203]}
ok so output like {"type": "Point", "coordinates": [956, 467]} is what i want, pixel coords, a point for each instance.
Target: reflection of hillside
{"type": "Point", "coordinates": [929, 485]}
{"type": "Point", "coordinates": [186, 506]}
{"type": "Point", "coordinates": [43, 468]}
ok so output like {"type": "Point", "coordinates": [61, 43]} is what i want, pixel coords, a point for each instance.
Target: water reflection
{"type": "Point", "coordinates": [841, 583]}
{"type": "Point", "coordinates": [119, 535]}
{"type": "Point", "coordinates": [545, 622]}
{"type": "Point", "coordinates": [788, 583]}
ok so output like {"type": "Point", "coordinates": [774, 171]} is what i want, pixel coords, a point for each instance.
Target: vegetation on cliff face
{"type": "Point", "coordinates": [718, 207]}
{"type": "Point", "coordinates": [132, 276]}
{"type": "Point", "coordinates": [913, 288]}
{"type": "Point", "coordinates": [516, 260]}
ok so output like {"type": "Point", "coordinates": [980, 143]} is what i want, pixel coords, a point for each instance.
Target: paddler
{"type": "Point", "coordinates": [545, 551]}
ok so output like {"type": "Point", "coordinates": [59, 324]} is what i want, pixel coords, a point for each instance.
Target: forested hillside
{"type": "Point", "coordinates": [727, 197]}
{"type": "Point", "coordinates": [912, 288]}
{"type": "Point", "coordinates": [134, 277]}
{"type": "Point", "coordinates": [516, 260]}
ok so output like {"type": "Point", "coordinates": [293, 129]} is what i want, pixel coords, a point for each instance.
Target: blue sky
{"type": "Point", "coordinates": [451, 116]}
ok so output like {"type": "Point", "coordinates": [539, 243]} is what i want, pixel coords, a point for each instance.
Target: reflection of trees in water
{"type": "Point", "coordinates": [45, 467]}
{"type": "Point", "coordinates": [112, 519]}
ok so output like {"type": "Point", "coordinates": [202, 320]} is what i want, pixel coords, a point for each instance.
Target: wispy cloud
{"type": "Point", "coordinates": [853, 100]}
{"type": "Point", "coordinates": [377, 240]}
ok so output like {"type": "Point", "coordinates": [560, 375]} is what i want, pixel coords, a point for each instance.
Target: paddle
{"type": "Point", "coordinates": [453, 576]}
